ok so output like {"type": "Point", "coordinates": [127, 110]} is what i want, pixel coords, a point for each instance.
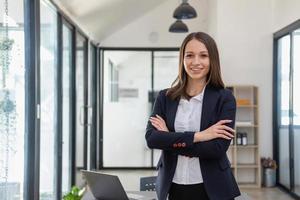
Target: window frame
{"type": "Point", "coordinates": [32, 98]}
{"type": "Point", "coordinates": [286, 31]}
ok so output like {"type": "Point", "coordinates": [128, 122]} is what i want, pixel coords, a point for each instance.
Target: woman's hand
{"type": "Point", "coordinates": [218, 130]}
{"type": "Point", "coordinates": [159, 123]}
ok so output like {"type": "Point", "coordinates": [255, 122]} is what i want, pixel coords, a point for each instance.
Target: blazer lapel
{"type": "Point", "coordinates": [172, 106]}
{"type": "Point", "coordinates": [210, 99]}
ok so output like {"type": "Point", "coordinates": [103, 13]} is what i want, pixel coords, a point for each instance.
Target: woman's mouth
{"type": "Point", "coordinates": [196, 69]}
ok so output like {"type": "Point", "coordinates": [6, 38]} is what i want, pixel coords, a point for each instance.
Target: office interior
{"type": "Point", "coordinates": [79, 79]}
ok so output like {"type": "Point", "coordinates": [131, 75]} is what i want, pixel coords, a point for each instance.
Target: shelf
{"type": "Point", "coordinates": [244, 159]}
{"type": "Point", "coordinates": [246, 106]}
{"type": "Point", "coordinates": [243, 146]}
{"type": "Point", "coordinates": [241, 86]}
{"type": "Point", "coordinates": [246, 125]}
{"type": "Point", "coordinates": [247, 166]}
{"type": "Point", "coordinates": [247, 146]}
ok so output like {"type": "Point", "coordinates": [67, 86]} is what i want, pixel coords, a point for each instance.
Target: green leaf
{"type": "Point", "coordinates": [74, 194]}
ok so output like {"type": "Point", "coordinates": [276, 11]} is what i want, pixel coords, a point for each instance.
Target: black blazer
{"type": "Point", "coordinates": [218, 180]}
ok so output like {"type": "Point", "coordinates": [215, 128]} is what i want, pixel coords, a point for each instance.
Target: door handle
{"type": "Point", "coordinates": [89, 115]}
{"type": "Point", "coordinates": [81, 116]}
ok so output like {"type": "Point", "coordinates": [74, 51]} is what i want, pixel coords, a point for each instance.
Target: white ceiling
{"type": "Point", "coordinates": [103, 17]}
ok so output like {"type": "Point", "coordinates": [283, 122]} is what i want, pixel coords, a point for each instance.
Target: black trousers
{"type": "Point", "coordinates": [187, 192]}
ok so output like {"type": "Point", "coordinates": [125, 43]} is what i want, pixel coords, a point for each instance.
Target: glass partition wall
{"type": "Point", "coordinates": [165, 71]}
{"type": "Point", "coordinates": [127, 85]}
{"type": "Point", "coordinates": [131, 81]}
{"type": "Point", "coordinates": [287, 107]}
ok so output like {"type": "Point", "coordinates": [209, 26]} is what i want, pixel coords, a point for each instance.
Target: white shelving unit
{"type": "Point", "coordinates": [244, 154]}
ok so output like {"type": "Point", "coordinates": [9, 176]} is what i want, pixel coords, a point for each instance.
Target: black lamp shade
{"type": "Point", "coordinates": [178, 27]}
{"type": "Point", "coordinates": [184, 11]}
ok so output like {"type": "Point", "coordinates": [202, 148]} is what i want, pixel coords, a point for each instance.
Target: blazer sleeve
{"type": "Point", "coordinates": [216, 148]}
{"type": "Point", "coordinates": [165, 140]}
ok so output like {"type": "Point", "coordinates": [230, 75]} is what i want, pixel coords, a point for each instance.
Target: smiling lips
{"type": "Point", "coordinates": [196, 69]}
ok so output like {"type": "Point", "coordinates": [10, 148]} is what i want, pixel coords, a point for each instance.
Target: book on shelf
{"type": "Point", "coordinates": [243, 102]}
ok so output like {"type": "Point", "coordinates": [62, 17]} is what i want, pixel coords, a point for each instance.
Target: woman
{"type": "Point", "coordinates": [192, 122]}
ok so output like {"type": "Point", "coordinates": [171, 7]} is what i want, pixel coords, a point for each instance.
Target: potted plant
{"type": "Point", "coordinates": [269, 171]}
{"type": "Point", "coordinates": [74, 194]}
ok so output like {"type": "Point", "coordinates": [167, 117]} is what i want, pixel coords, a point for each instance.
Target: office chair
{"type": "Point", "coordinates": [147, 183]}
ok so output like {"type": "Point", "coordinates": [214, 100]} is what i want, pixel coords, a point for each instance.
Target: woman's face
{"type": "Point", "coordinates": [196, 60]}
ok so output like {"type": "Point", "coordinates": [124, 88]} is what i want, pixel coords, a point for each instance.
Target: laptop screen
{"type": "Point", "coordinates": [104, 186]}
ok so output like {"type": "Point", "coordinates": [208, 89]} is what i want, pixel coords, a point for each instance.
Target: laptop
{"type": "Point", "coordinates": [108, 187]}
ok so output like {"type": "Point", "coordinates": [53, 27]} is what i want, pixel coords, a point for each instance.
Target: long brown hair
{"type": "Point", "coordinates": [214, 79]}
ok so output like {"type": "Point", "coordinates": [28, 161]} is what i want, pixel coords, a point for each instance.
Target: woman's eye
{"type": "Point", "coordinates": [188, 56]}
{"type": "Point", "coordinates": [204, 55]}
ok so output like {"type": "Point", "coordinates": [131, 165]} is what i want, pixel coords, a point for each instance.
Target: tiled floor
{"type": "Point", "coordinates": [267, 194]}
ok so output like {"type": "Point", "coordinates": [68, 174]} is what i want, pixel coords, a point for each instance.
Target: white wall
{"type": "Point", "coordinates": [212, 22]}
{"type": "Point", "coordinates": [284, 13]}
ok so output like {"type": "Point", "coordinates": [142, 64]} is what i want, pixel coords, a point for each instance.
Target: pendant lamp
{"type": "Point", "coordinates": [178, 27]}
{"type": "Point", "coordinates": [184, 11]}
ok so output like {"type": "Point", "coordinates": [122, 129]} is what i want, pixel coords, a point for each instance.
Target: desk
{"type": "Point", "coordinates": [147, 195]}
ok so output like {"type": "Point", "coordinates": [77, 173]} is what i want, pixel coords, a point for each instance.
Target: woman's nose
{"type": "Point", "coordinates": [196, 60]}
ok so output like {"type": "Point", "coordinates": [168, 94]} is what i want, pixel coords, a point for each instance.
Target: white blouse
{"type": "Point", "coordinates": [188, 118]}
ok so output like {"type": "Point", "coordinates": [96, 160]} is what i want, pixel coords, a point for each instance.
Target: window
{"type": "Point", "coordinates": [284, 88]}
{"type": "Point", "coordinates": [51, 82]}
{"type": "Point", "coordinates": [287, 111]}
{"type": "Point", "coordinates": [48, 91]}
{"type": "Point", "coordinates": [81, 102]}
{"type": "Point", "coordinates": [12, 99]}
{"type": "Point", "coordinates": [66, 106]}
